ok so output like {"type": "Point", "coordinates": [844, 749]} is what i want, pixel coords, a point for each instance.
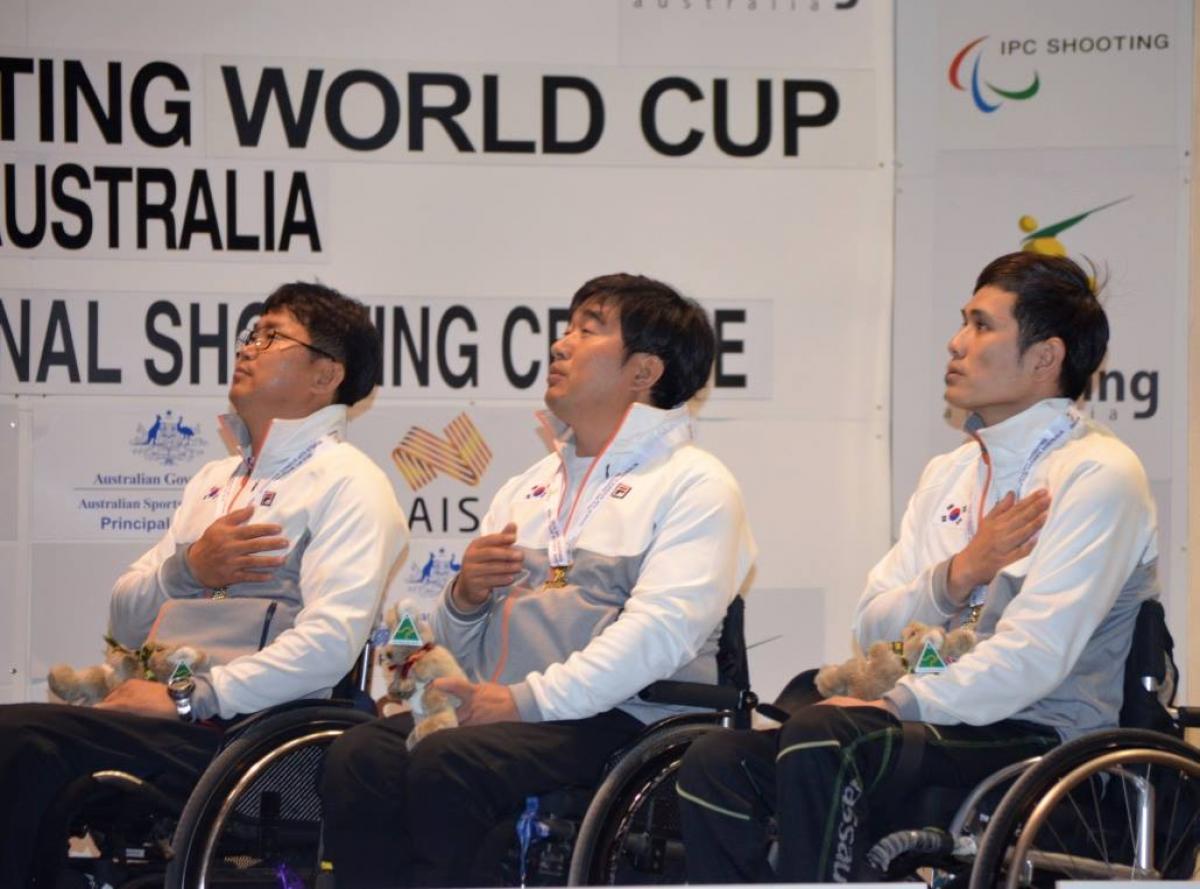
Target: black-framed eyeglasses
{"type": "Point", "coordinates": [262, 340]}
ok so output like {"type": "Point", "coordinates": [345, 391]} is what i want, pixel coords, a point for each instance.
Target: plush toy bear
{"type": "Point", "coordinates": [413, 660]}
{"type": "Point", "coordinates": [868, 677]}
{"type": "Point", "coordinates": [93, 684]}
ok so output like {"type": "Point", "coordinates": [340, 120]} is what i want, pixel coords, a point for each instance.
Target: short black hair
{"type": "Point", "coordinates": [656, 320]}
{"type": "Point", "coordinates": [1054, 298]}
{"type": "Point", "coordinates": [338, 325]}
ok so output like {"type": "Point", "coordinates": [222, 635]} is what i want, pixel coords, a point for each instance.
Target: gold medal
{"type": "Point", "coordinates": [558, 576]}
{"type": "Point", "coordinates": [973, 615]}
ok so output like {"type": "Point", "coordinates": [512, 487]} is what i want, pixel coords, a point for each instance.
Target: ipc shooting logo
{"type": "Point", "coordinates": [986, 95]}
{"type": "Point", "coordinates": [168, 440]}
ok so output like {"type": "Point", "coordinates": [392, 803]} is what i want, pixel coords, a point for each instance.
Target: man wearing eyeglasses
{"type": "Point", "coordinates": [274, 565]}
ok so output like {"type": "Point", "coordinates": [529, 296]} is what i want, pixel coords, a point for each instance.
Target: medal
{"type": "Point", "coordinates": [973, 615]}
{"type": "Point", "coordinates": [558, 577]}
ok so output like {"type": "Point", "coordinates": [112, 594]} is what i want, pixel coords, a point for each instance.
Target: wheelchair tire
{"type": "Point", "coordinates": [1087, 827]}
{"type": "Point", "coordinates": [630, 834]}
{"type": "Point", "coordinates": [283, 742]}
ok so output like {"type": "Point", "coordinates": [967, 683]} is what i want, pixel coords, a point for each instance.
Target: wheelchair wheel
{"type": "Point", "coordinates": [630, 834]}
{"type": "Point", "coordinates": [255, 815]}
{"type": "Point", "coordinates": [1120, 804]}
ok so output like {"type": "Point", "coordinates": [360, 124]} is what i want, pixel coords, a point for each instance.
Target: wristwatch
{"type": "Point", "coordinates": [180, 691]}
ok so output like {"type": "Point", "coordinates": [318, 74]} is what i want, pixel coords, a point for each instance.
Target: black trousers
{"type": "Point", "coordinates": [44, 747]}
{"type": "Point", "coordinates": [825, 775]}
{"type": "Point", "coordinates": [398, 819]}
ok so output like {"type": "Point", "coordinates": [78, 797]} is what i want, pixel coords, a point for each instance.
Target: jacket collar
{"type": "Point", "coordinates": [286, 438]}
{"type": "Point", "coordinates": [1010, 441]}
{"type": "Point", "coordinates": [642, 425]}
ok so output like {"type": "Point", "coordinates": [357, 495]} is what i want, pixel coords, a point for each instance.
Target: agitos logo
{"type": "Point", "coordinates": [462, 455]}
{"type": "Point", "coordinates": [978, 83]}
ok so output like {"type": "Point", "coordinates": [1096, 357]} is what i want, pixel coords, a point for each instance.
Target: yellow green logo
{"type": "Point", "coordinates": [1044, 240]}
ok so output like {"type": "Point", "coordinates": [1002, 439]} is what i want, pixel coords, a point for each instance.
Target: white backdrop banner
{"type": "Point", "coordinates": [1059, 128]}
{"type": "Point", "coordinates": [462, 168]}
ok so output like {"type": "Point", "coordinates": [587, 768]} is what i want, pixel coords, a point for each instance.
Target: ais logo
{"type": "Point", "coordinates": [986, 95]}
{"type": "Point", "coordinates": [459, 453]}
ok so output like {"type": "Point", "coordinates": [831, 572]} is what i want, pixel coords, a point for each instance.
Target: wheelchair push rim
{"type": "Point", "coordinates": [1121, 804]}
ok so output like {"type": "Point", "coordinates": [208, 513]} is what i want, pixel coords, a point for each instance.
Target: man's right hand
{"type": "Point", "coordinates": [489, 561]}
{"type": "Point", "coordinates": [227, 551]}
{"type": "Point", "coordinates": [1006, 534]}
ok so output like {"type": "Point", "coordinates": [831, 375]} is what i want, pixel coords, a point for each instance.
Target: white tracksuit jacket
{"type": "Point", "coordinates": [298, 633]}
{"type": "Point", "coordinates": [655, 568]}
{"type": "Point", "coordinates": [1056, 626]}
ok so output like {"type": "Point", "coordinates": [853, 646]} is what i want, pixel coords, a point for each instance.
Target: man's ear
{"type": "Point", "coordinates": [648, 370]}
{"type": "Point", "coordinates": [329, 375]}
{"type": "Point", "coordinates": [1048, 356]}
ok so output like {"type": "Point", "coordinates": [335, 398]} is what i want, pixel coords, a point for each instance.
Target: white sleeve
{"type": "Point", "coordinates": [357, 532]}
{"type": "Point", "coordinates": [691, 572]}
{"type": "Point", "coordinates": [1100, 524]}
{"type": "Point", "coordinates": [899, 588]}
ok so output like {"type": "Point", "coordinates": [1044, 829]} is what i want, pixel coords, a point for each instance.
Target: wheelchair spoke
{"type": "Point", "coordinates": [1099, 823]}
{"type": "Point", "coordinates": [1100, 844]}
{"type": "Point", "coordinates": [1184, 834]}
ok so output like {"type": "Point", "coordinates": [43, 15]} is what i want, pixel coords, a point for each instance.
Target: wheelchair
{"type": "Point", "coordinates": [252, 818]}
{"type": "Point", "coordinates": [1114, 804]}
{"type": "Point", "coordinates": [626, 830]}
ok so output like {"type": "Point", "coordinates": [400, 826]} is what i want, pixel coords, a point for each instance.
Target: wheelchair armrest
{"type": "Point", "coordinates": [698, 694]}
{"type": "Point", "coordinates": [1188, 717]}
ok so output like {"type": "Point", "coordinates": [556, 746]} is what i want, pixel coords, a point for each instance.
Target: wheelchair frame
{"type": "Point", "coordinates": [1042, 803]}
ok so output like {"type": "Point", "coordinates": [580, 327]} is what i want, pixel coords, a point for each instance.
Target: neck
{"type": "Point", "coordinates": [257, 427]}
{"type": "Point", "coordinates": [998, 413]}
{"type": "Point", "coordinates": [593, 432]}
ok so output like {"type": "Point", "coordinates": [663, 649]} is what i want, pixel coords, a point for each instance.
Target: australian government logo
{"type": "Point", "coordinates": [1112, 392]}
{"type": "Point", "coordinates": [459, 454]}
{"type": "Point", "coordinates": [427, 577]}
{"type": "Point", "coordinates": [973, 66]}
{"type": "Point", "coordinates": [123, 502]}
{"type": "Point", "coordinates": [168, 440]}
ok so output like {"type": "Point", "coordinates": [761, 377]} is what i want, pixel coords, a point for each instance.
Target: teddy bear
{"type": "Point", "coordinates": [413, 660]}
{"type": "Point", "coordinates": [868, 676]}
{"type": "Point", "coordinates": [153, 661]}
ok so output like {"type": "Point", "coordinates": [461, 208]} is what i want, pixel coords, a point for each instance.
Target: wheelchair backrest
{"type": "Point", "coordinates": [1150, 673]}
{"type": "Point", "coordinates": [733, 668]}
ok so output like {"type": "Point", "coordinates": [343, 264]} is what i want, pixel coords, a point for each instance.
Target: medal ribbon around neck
{"type": "Point", "coordinates": [1061, 425]}
{"type": "Point", "coordinates": [227, 493]}
{"type": "Point", "coordinates": [564, 535]}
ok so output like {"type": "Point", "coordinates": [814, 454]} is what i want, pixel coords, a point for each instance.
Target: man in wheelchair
{"type": "Point", "coordinates": [1040, 531]}
{"type": "Point", "coordinates": [274, 565]}
{"type": "Point", "coordinates": [606, 566]}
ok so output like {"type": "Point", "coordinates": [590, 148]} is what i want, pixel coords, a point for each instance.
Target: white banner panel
{"type": "Point", "coordinates": [10, 468]}
{"type": "Point", "coordinates": [462, 168]}
{"type": "Point", "coordinates": [1097, 73]}
{"type": "Point", "coordinates": [1059, 128]}
{"type": "Point", "coordinates": [126, 484]}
